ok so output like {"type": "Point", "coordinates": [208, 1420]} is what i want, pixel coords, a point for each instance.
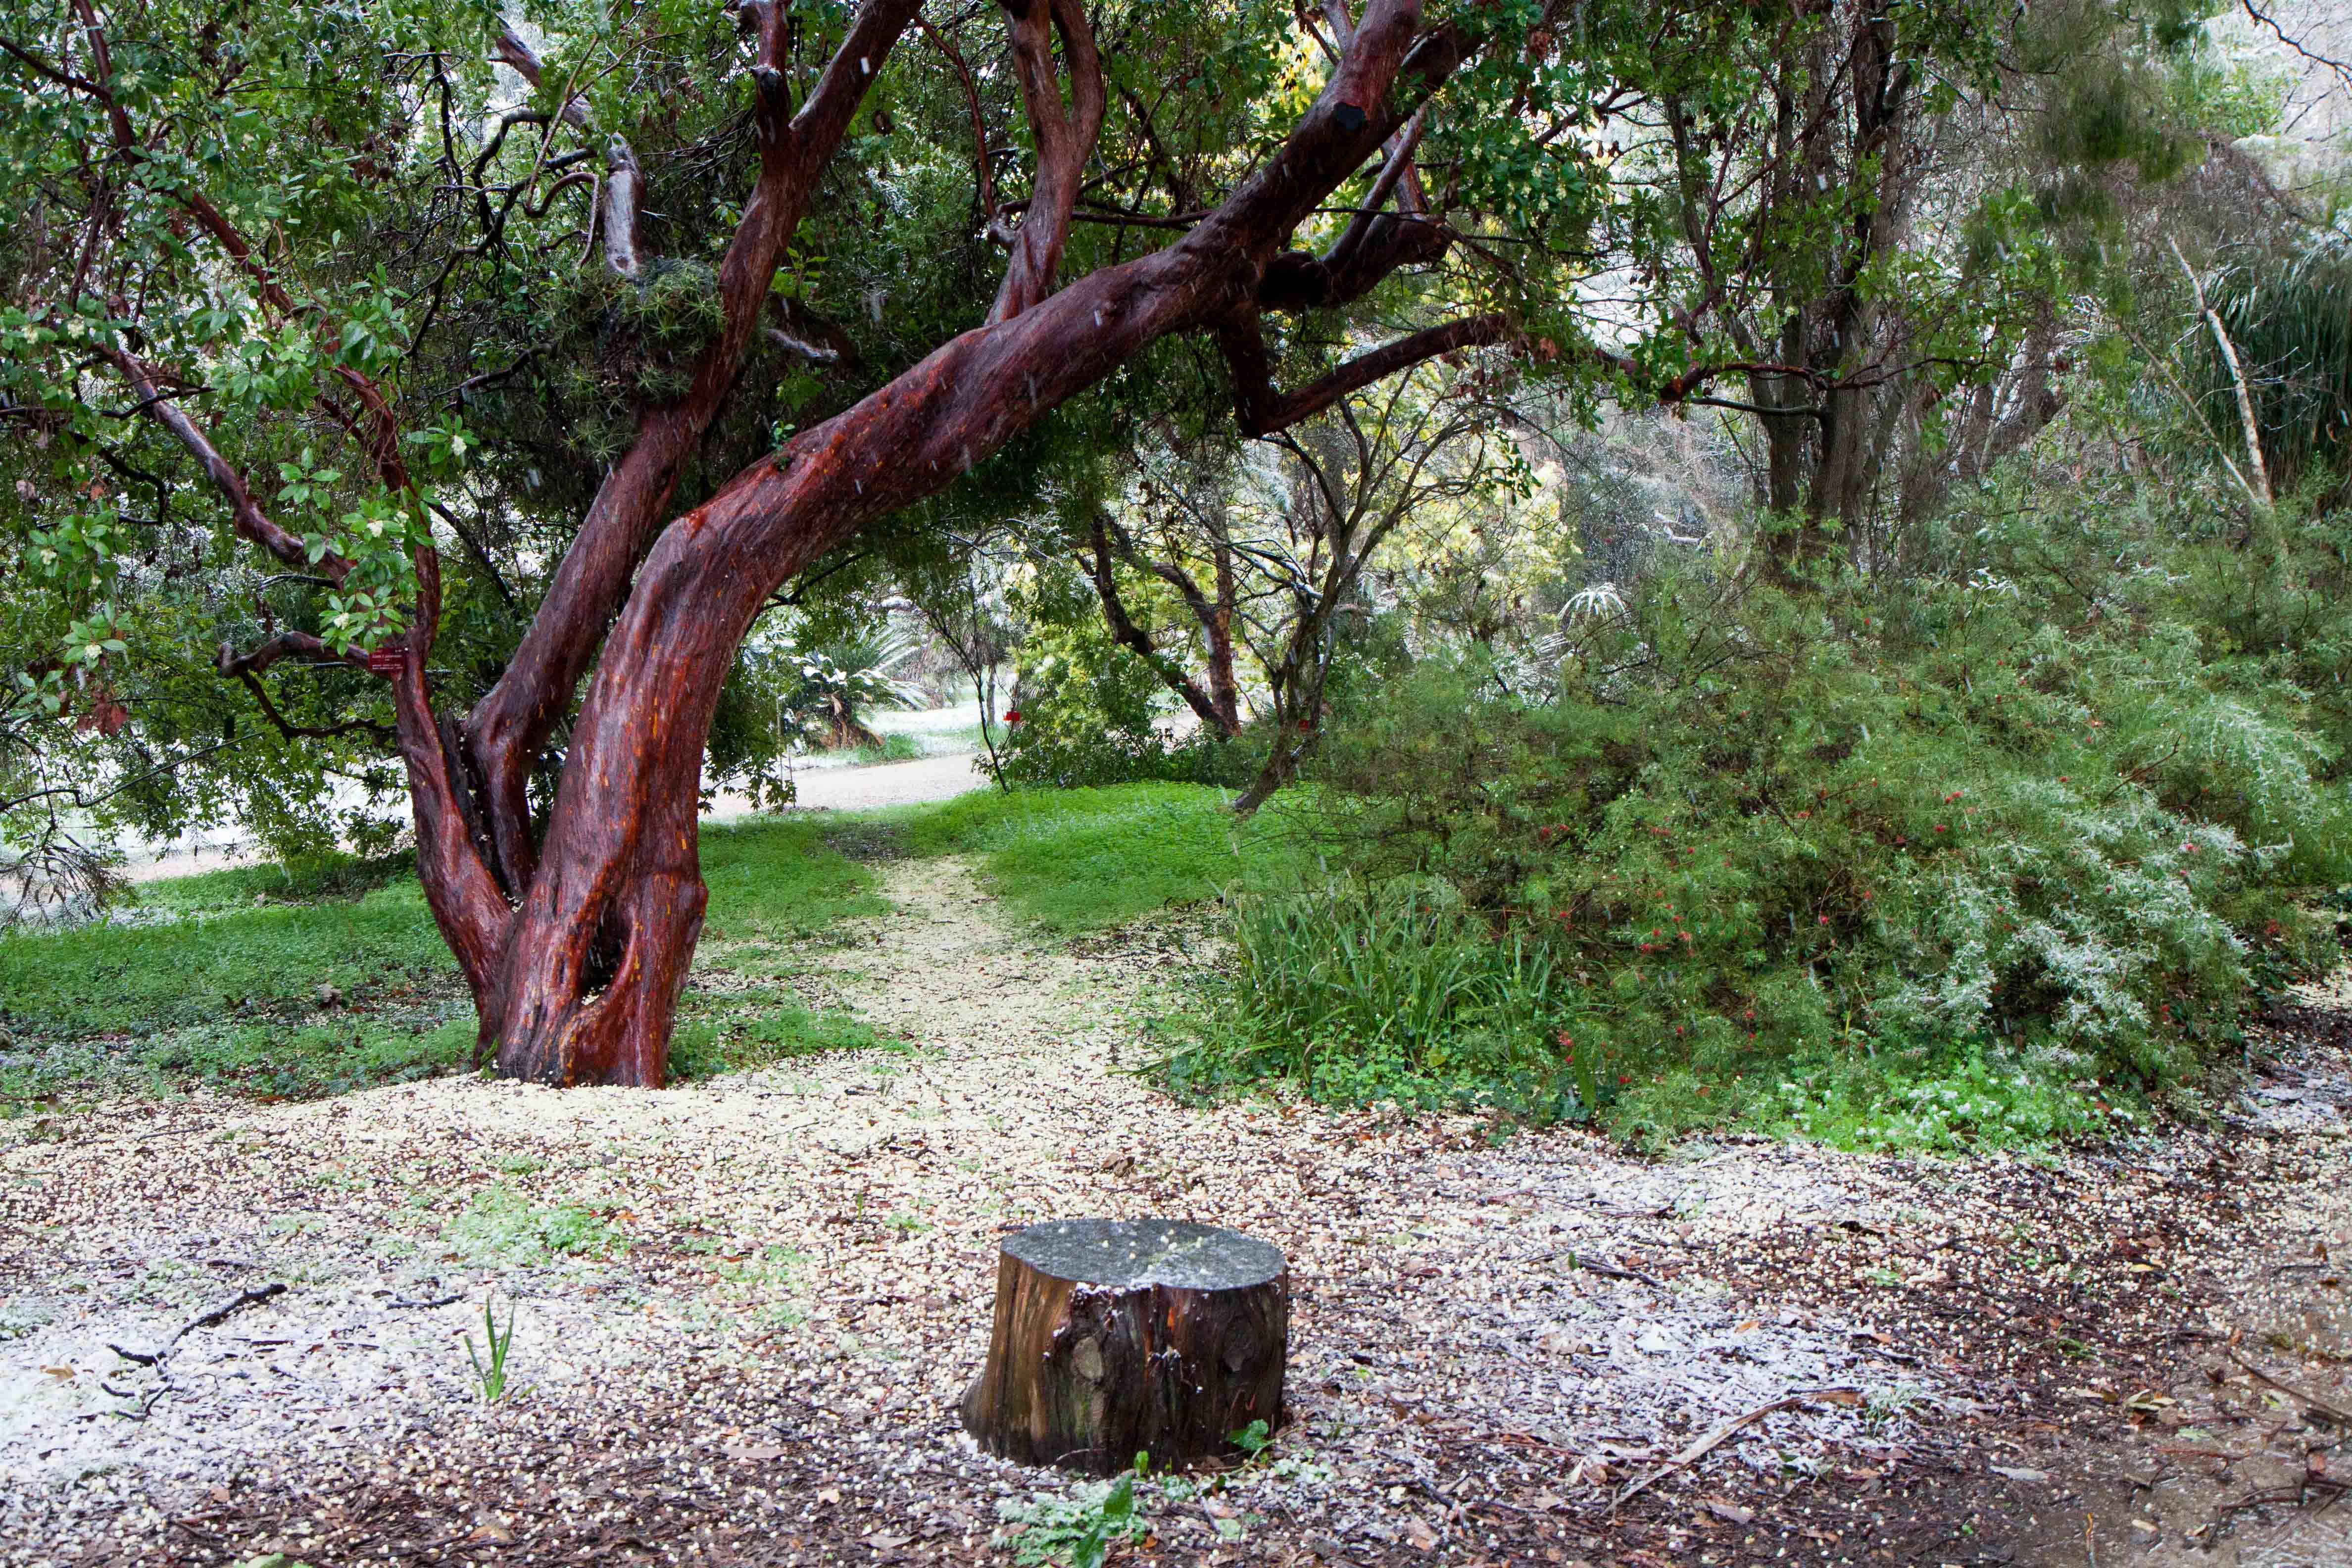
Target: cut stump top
{"type": "Point", "coordinates": [1138, 1253]}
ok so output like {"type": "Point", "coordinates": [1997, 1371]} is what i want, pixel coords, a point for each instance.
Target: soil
{"type": "Point", "coordinates": [743, 1312]}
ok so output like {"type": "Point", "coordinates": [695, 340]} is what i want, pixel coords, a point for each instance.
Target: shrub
{"type": "Point", "coordinates": [1084, 711]}
{"type": "Point", "coordinates": [1743, 831]}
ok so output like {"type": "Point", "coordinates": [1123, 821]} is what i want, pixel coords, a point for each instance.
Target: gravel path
{"type": "Point", "coordinates": [745, 1310]}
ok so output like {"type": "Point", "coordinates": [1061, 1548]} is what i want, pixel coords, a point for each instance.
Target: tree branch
{"type": "Point", "coordinates": [245, 513]}
{"type": "Point", "coordinates": [1124, 629]}
{"type": "Point", "coordinates": [984, 174]}
{"type": "Point", "coordinates": [1262, 411]}
{"type": "Point", "coordinates": [508, 729]}
{"type": "Point", "coordinates": [1065, 140]}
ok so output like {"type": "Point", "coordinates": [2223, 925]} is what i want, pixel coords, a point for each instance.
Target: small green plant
{"type": "Point", "coordinates": [1883, 1407]}
{"type": "Point", "coordinates": [490, 1365]}
{"type": "Point", "coordinates": [1253, 1439]}
{"type": "Point", "coordinates": [1078, 1531]}
{"type": "Point", "coordinates": [891, 748]}
{"type": "Point", "coordinates": [500, 1226]}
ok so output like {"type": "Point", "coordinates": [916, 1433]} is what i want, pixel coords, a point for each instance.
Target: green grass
{"type": "Point", "coordinates": [780, 879]}
{"type": "Point", "coordinates": [894, 748]}
{"type": "Point", "coordinates": [216, 979]}
{"type": "Point", "coordinates": [1391, 994]}
{"type": "Point", "coordinates": [732, 1031]}
{"type": "Point", "coordinates": [499, 1225]}
{"type": "Point", "coordinates": [139, 978]}
{"type": "Point", "coordinates": [1076, 860]}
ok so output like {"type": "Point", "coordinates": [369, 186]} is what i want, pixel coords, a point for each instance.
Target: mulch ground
{"type": "Point", "coordinates": [1542, 1353]}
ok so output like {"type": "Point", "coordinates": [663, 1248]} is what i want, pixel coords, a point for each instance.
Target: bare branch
{"type": "Point", "coordinates": [247, 667]}
{"type": "Point", "coordinates": [1263, 410]}
{"type": "Point", "coordinates": [623, 181]}
{"type": "Point", "coordinates": [250, 520]}
{"type": "Point", "coordinates": [984, 174]}
{"type": "Point", "coordinates": [2340, 69]}
{"type": "Point", "coordinates": [509, 49]}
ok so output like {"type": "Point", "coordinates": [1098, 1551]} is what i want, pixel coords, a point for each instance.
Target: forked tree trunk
{"type": "Point", "coordinates": [575, 946]}
{"type": "Point", "coordinates": [592, 967]}
{"type": "Point", "coordinates": [1115, 1338]}
{"type": "Point", "coordinates": [578, 983]}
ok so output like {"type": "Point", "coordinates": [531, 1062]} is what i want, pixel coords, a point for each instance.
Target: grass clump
{"type": "Point", "coordinates": [891, 748]}
{"type": "Point", "coordinates": [1398, 996]}
{"type": "Point", "coordinates": [500, 1226]}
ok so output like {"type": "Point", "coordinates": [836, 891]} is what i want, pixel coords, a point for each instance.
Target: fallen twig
{"type": "Point", "coordinates": [220, 1314]}
{"type": "Point", "coordinates": [437, 1301]}
{"type": "Point", "coordinates": [2319, 1406]}
{"type": "Point", "coordinates": [1608, 1270]}
{"type": "Point", "coordinates": [158, 1358]}
{"type": "Point", "coordinates": [1715, 1439]}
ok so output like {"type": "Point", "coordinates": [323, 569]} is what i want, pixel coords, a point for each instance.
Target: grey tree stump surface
{"type": "Point", "coordinates": [1120, 1337]}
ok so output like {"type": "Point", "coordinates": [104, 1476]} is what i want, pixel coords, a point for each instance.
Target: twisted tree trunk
{"type": "Point", "coordinates": [589, 970]}
{"type": "Point", "coordinates": [575, 944]}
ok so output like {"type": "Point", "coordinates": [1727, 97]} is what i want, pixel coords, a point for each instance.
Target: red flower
{"type": "Point", "coordinates": [1012, 715]}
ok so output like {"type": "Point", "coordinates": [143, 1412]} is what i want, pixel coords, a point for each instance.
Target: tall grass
{"type": "Point", "coordinates": [1357, 994]}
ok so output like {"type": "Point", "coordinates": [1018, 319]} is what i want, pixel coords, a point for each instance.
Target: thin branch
{"type": "Point", "coordinates": [983, 173]}
{"type": "Point", "coordinates": [249, 519]}
{"type": "Point", "coordinates": [1263, 410]}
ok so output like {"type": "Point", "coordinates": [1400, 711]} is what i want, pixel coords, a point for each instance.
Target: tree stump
{"type": "Point", "coordinates": [1120, 1337]}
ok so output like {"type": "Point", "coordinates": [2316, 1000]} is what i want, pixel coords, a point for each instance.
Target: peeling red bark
{"type": "Point", "coordinates": [616, 874]}
{"type": "Point", "coordinates": [576, 947]}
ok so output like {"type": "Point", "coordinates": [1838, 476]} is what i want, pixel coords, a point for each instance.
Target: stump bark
{"type": "Point", "coordinates": [1120, 1337]}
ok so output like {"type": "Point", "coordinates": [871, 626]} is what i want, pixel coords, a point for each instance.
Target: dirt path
{"type": "Point", "coordinates": [744, 1310]}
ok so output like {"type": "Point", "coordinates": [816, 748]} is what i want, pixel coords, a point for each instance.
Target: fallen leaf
{"type": "Point", "coordinates": [1731, 1513]}
{"type": "Point", "coordinates": [830, 1494]}
{"type": "Point", "coordinates": [489, 1532]}
{"type": "Point", "coordinates": [59, 1370]}
{"type": "Point", "coordinates": [1423, 1539]}
{"type": "Point", "coordinates": [746, 1449]}
{"type": "Point", "coordinates": [2019, 1473]}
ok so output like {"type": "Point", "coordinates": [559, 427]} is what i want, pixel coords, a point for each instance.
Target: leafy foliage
{"type": "Point", "coordinates": [1745, 832]}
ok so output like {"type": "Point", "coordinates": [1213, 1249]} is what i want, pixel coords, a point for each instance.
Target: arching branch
{"type": "Point", "coordinates": [1263, 410]}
